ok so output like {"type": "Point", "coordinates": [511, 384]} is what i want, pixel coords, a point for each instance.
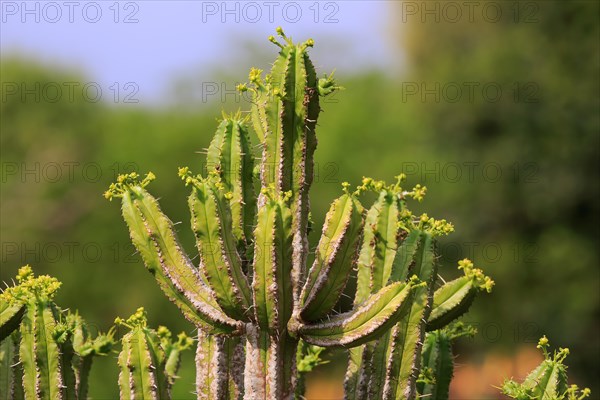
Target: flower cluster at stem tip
{"type": "Point", "coordinates": [271, 193]}
{"type": "Point", "coordinates": [125, 181]}
{"type": "Point", "coordinates": [183, 341]}
{"type": "Point", "coordinates": [138, 319]}
{"type": "Point", "coordinates": [479, 278]}
{"type": "Point", "coordinates": [29, 287]}
{"type": "Point", "coordinates": [408, 221]}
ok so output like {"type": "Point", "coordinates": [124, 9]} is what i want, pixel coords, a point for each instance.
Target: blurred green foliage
{"type": "Point", "coordinates": [518, 176]}
{"type": "Point", "coordinates": [543, 134]}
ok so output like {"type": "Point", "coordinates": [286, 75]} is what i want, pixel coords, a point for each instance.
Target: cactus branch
{"type": "Point", "coordinates": [366, 322]}
{"type": "Point", "coordinates": [438, 362]}
{"type": "Point", "coordinates": [335, 257]}
{"type": "Point", "coordinates": [146, 372]}
{"type": "Point", "coordinates": [408, 335]}
{"type": "Point", "coordinates": [270, 365]}
{"type": "Point", "coordinates": [230, 155]}
{"type": "Point", "coordinates": [219, 259]}
{"type": "Point", "coordinates": [153, 235]}
{"type": "Point", "coordinates": [454, 298]}
{"type": "Point", "coordinates": [11, 375]}
{"type": "Point", "coordinates": [10, 317]}
{"type": "Point", "coordinates": [548, 381]}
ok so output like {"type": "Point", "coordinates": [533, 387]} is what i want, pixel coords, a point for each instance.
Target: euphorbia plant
{"type": "Point", "coordinates": [149, 359]}
{"type": "Point", "coordinates": [548, 381]}
{"type": "Point", "coordinates": [46, 352]}
{"type": "Point", "coordinates": [253, 297]}
{"type": "Point", "coordinates": [263, 316]}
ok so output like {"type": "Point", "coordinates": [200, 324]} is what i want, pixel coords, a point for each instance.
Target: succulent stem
{"type": "Point", "coordinates": [254, 281]}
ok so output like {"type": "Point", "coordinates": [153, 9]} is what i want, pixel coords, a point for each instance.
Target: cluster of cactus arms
{"type": "Point", "coordinates": [263, 315]}
{"type": "Point", "coordinates": [253, 297]}
{"type": "Point", "coordinates": [149, 359]}
{"type": "Point", "coordinates": [46, 353]}
{"type": "Point", "coordinates": [396, 246]}
{"type": "Point", "coordinates": [437, 360]}
{"type": "Point", "coordinates": [548, 381]}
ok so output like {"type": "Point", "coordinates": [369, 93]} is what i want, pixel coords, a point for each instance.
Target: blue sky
{"type": "Point", "coordinates": [152, 42]}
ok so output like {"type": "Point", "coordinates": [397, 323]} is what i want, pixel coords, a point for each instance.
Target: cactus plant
{"type": "Point", "coordinates": [393, 248]}
{"type": "Point", "coordinates": [437, 361]}
{"type": "Point", "coordinates": [548, 381]}
{"type": "Point", "coordinates": [253, 286]}
{"type": "Point", "coordinates": [263, 316]}
{"type": "Point", "coordinates": [46, 353]}
{"type": "Point", "coordinates": [149, 359]}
